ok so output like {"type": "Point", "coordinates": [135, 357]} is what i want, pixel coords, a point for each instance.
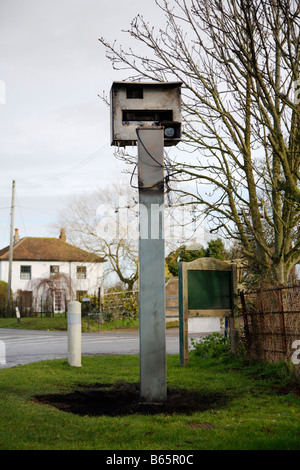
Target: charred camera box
{"type": "Point", "coordinates": [144, 104]}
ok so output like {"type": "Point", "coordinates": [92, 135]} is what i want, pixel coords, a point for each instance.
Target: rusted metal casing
{"type": "Point", "coordinates": [138, 104]}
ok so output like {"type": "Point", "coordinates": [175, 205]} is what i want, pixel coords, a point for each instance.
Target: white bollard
{"type": "Point", "coordinates": [2, 353]}
{"type": "Point", "coordinates": [74, 334]}
{"type": "Point", "coordinates": [18, 315]}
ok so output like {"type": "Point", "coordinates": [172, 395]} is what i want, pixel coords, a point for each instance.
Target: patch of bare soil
{"type": "Point", "coordinates": [124, 399]}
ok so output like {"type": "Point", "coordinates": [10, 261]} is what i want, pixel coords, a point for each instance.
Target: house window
{"type": "Point", "coordinates": [81, 272]}
{"type": "Point", "coordinates": [25, 272]}
{"type": "Point", "coordinates": [54, 269]}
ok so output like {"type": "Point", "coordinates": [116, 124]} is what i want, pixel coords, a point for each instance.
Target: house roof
{"type": "Point", "coordinates": [48, 249]}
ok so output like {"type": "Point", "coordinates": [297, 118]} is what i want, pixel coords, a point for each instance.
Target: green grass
{"type": "Point", "coordinates": [60, 323]}
{"type": "Point", "coordinates": [253, 414]}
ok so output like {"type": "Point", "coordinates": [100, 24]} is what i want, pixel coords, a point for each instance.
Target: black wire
{"type": "Point", "coordinates": [131, 178]}
{"type": "Point", "coordinates": [165, 180]}
{"type": "Point", "coordinates": [151, 156]}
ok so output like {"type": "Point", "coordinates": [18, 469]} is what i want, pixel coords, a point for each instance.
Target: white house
{"type": "Point", "coordinates": [50, 265]}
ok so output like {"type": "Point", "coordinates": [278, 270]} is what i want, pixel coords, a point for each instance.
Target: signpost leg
{"type": "Point", "coordinates": [183, 317]}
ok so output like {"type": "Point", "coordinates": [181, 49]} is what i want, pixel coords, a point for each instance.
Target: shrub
{"type": "Point", "coordinates": [3, 290]}
{"type": "Point", "coordinates": [215, 345]}
{"type": "Point", "coordinates": [121, 305]}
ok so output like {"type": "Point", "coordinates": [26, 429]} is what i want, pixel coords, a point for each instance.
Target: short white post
{"type": "Point", "coordinates": [2, 353]}
{"type": "Point", "coordinates": [74, 334]}
{"type": "Point", "coordinates": [18, 315]}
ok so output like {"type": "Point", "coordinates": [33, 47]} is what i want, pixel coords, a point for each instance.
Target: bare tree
{"type": "Point", "coordinates": [238, 61]}
{"type": "Point", "coordinates": [105, 222]}
{"type": "Point", "coordinates": [47, 291]}
{"type": "Point", "coordinates": [98, 223]}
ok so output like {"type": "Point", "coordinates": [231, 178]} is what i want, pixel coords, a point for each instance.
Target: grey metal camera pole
{"type": "Point", "coordinates": [74, 334]}
{"type": "Point", "coordinates": [153, 384]}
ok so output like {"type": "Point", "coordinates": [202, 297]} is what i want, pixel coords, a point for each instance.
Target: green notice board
{"type": "Point", "coordinates": [209, 290]}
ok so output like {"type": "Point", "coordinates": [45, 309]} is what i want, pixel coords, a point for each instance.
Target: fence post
{"type": "Point", "coordinates": [261, 332]}
{"type": "Point", "coordinates": [282, 323]}
{"type": "Point", "coordinates": [234, 319]}
{"type": "Point", "coordinates": [246, 324]}
{"type": "Point", "coordinates": [74, 334]}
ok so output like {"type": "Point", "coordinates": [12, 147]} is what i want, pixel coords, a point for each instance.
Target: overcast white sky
{"type": "Point", "coordinates": [54, 129]}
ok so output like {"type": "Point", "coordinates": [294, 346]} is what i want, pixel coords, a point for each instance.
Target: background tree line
{"type": "Point", "coordinates": [214, 249]}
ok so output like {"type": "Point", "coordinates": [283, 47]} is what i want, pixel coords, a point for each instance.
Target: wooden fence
{"type": "Point", "coordinates": [270, 322]}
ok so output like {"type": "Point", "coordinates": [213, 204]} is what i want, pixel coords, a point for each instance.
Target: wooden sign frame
{"type": "Point", "coordinates": [219, 301]}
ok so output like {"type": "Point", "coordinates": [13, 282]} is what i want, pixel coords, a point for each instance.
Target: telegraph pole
{"type": "Point", "coordinates": [11, 243]}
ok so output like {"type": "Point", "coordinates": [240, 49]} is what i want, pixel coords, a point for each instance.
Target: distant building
{"type": "Point", "coordinates": [44, 267]}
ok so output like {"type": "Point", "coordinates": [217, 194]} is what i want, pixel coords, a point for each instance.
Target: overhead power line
{"type": "Point", "coordinates": [70, 170]}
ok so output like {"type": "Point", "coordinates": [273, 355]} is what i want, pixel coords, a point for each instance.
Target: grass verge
{"type": "Point", "coordinates": [60, 323]}
{"type": "Point", "coordinates": [255, 413]}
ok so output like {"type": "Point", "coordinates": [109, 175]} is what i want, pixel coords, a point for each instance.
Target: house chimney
{"type": "Point", "coordinates": [62, 235]}
{"type": "Point", "coordinates": [16, 236]}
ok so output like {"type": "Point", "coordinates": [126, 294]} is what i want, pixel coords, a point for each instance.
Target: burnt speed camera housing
{"type": "Point", "coordinates": [137, 104]}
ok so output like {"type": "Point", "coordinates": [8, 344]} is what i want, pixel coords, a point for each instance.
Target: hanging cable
{"type": "Point", "coordinates": [165, 180]}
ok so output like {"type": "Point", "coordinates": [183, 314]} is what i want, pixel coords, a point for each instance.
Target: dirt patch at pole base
{"type": "Point", "coordinates": [124, 399]}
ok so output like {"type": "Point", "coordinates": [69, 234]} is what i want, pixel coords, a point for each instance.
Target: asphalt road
{"type": "Point", "coordinates": [18, 347]}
